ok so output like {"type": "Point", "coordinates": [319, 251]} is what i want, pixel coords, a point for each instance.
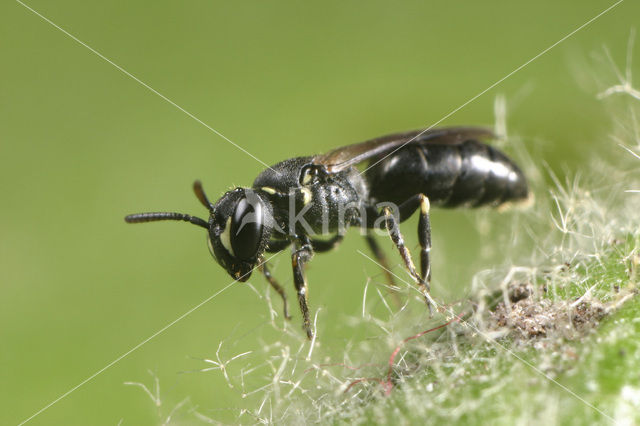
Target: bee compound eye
{"type": "Point", "coordinates": [246, 229]}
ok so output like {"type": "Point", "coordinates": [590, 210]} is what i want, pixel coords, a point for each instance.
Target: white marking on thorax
{"type": "Point", "coordinates": [306, 195]}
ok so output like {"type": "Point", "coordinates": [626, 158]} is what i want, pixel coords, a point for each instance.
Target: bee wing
{"type": "Point", "coordinates": [350, 155]}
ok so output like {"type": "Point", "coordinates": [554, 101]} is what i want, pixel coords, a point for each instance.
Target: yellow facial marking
{"type": "Point", "coordinates": [268, 190]}
{"type": "Point", "coordinates": [210, 244]}
{"type": "Point", "coordinates": [225, 237]}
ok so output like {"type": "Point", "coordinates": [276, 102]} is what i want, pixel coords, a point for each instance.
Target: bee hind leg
{"type": "Point", "coordinates": [424, 236]}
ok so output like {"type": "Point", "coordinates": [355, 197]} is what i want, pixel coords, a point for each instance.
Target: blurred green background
{"type": "Point", "coordinates": [82, 144]}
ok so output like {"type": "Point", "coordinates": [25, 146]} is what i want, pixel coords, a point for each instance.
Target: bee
{"type": "Point", "coordinates": [294, 201]}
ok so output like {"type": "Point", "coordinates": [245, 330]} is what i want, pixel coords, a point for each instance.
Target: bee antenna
{"type": "Point", "coordinates": [156, 216]}
{"type": "Point", "coordinates": [199, 190]}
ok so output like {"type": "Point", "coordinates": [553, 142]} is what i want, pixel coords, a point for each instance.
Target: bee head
{"type": "Point", "coordinates": [239, 231]}
{"type": "Point", "coordinates": [238, 228]}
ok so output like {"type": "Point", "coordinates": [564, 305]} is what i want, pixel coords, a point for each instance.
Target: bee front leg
{"type": "Point", "coordinates": [321, 246]}
{"type": "Point", "coordinates": [300, 256]}
{"type": "Point", "coordinates": [274, 246]}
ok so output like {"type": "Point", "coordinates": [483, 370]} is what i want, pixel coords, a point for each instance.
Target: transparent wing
{"type": "Point", "coordinates": [350, 155]}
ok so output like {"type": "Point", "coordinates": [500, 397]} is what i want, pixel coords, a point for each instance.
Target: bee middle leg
{"type": "Point", "coordinates": [424, 237]}
{"type": "Point", "coordinates": [380, 257]}
{"type": "Point", "coordinates": [264, 268]}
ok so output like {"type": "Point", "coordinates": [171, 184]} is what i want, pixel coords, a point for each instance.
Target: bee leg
{"type": "Point", "coordinates": [424, 235]}
{"type": "Point", "coordinates": [274, 246]}
{"type": "Point", "coordinates": [380, 257]}
{"type": "Point", "coordinates": [320, 246]}
{"type": "Point", "coordinates": [299, 257]}
{"type": "Point", "coordinates": [382, 260]}
{"type": "Point", "coordinates": [264, 268]}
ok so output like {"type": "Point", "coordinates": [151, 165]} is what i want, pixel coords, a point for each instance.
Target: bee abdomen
{"type": "Point", "coordinates": [486, 177]}
{"type": "Point", "coordinates": [467, 174]}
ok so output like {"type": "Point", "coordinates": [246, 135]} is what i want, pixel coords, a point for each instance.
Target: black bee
{"type": "Point", "coordinates": [297, 199]}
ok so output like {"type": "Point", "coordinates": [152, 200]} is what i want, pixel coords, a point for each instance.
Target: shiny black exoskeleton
{"type": "Point", "coordinates": [295, 200]}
